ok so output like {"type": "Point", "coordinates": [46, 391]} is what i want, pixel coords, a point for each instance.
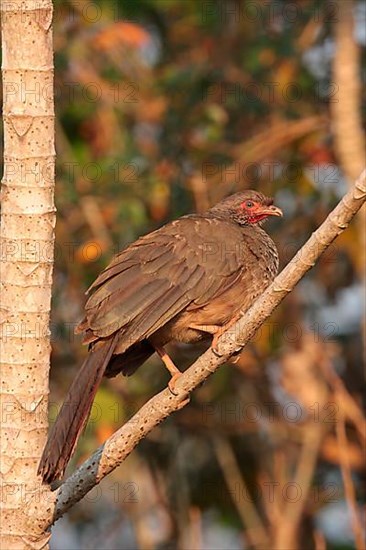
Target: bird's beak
{"type": "Point", "coordinates": [272, 211]}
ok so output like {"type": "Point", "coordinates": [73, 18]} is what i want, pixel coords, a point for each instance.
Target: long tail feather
{"type": "Point", "coordinates": [74, 412]}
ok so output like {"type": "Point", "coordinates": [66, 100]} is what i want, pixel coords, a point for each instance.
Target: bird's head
{"type": "Point", "coordinates": [247, 208]}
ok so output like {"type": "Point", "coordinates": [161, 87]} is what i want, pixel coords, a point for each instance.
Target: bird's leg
{"type": "Point", "coordinates": [221, 331]}
{"type": "Point", "coordinates": [174, 371]}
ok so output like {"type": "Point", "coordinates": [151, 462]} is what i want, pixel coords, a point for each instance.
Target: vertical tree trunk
{"type": "Point", "coordinates": [26, 239]}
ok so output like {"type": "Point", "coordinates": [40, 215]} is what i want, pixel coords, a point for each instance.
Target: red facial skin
{"type": "Point", "coordinates": [257, 212]}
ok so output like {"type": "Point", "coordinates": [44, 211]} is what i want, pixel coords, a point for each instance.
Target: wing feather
{"type": "Point", "coordinates": [120, 308]}
{"type": "Point", "coordinates": [178, 266]}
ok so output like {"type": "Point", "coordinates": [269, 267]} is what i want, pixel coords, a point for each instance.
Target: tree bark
{"type": "Point", "coordinates": [27, 241]}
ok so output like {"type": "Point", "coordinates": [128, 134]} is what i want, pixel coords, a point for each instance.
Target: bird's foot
{"type": "Point", "coordinates": [171, 386]}
{"type": "Point", "coordinates": [172, 382]}
{"type": "Point", "coordinates": [215, 340]}
{"type": "Point", "coordinates": [220, 332]}
{"type": "Point", "coordinates": [174, 371]}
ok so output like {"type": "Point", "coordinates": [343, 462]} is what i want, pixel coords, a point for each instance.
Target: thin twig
{"type": "Point", "coordinates": [254, 527]}
{"type": "Point", "coordinates": [195, 528]}
{"type": "Point", "coordinates": [287, 528]}
{"type": "Point", "coordinates": [319, 540]}
{"type": "Point", "coordinates": [257, 149]}
{"type": "Point", "coordinates": [349, 488]}
{"type": "Point", "coordinates": [350, 409]}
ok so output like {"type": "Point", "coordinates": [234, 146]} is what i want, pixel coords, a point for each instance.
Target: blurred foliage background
{"type": "Point", "coordinates": [164, 107]}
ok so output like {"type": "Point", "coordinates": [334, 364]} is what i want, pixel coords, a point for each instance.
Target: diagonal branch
{"type": "Point", "coordinates": [120, 445]}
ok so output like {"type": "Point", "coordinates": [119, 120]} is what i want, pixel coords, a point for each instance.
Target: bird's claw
{"type": "Point", "coordinates": [171, 386]}
{"type": "Point", "coordinates": [172, 382]}
{"type": "Point", "coordinates": [216, 351]}
{"type": "Point", "coordinates": [215, 341]}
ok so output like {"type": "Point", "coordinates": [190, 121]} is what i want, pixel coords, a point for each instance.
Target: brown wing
{"type": "Point", "coordinates": [186, 262]}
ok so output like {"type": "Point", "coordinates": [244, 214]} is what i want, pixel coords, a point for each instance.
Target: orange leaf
{"type": "Point", "coordinates": [122, 33]}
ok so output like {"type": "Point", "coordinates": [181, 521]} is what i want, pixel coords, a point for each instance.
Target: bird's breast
{"type": "Point", "coordinates": [219, 310]}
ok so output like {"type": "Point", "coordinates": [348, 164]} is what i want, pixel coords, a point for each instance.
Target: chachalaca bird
{"type": "Point", "coordinates": [185, 282]}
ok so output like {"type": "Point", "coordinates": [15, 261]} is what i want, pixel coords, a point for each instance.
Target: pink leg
{"type": "Point", "coordinates": [174, 371]}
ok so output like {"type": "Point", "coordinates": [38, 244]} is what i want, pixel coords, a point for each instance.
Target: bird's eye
{"type": "Point", "coordinates": [249, 204]}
